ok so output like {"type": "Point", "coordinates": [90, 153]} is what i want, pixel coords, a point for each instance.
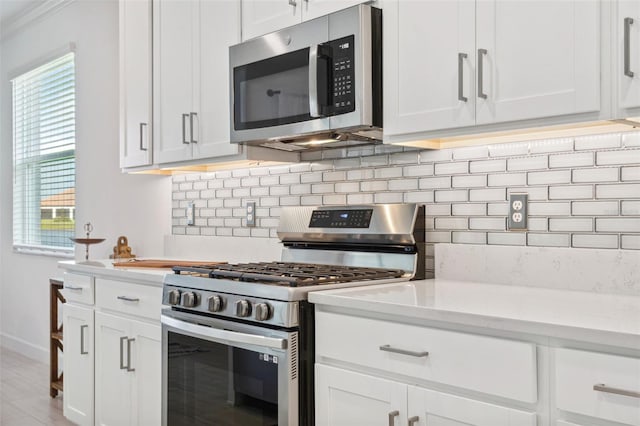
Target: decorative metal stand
{"type": "Point", "coordinates": [87, 242]}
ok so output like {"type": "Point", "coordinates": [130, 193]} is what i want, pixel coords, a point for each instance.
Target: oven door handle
{"type": "Point", "coordinates": [216, 334]}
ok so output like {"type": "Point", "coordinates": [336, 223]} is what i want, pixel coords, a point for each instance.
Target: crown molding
{"type": "Point", "coordinates": [14, 24]}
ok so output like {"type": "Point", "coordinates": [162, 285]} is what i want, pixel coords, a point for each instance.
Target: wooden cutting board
{"type": "Point", "coordinates": [155, 263]}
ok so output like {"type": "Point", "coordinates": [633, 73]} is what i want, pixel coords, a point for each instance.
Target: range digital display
{"type": "Point", "coordinates": [341, 218]}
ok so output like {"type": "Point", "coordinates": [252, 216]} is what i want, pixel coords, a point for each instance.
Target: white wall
{"type": "Point", "coordinates": [116, 204]}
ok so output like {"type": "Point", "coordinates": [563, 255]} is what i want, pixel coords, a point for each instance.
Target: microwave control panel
{"type": "Point", "coordinates": [341, 218]}
{"type": "Point", "coordinates": [344, 97]}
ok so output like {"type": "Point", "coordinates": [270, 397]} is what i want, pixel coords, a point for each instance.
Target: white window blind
{"type": "Point", "coordinates": [44, 141]}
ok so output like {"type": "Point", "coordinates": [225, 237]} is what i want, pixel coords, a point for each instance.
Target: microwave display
{"type": "Point", "coordinates": [343, 94]}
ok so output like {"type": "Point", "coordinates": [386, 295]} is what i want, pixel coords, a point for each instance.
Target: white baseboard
{"type": "Point", "coordinates": [25, 348]}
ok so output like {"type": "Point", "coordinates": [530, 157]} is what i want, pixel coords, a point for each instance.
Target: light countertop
{"type": "Point", "coordinates": [105, 269]}
{"type": "Point", "coordinates": [607, 319]}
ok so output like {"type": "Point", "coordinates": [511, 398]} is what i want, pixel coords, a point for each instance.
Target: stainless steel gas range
{"type": "Point", "coordinates": [238, 340]}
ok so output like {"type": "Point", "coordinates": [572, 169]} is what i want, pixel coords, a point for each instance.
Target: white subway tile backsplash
{"type": "Point", "coordinates": [240, 173]}
{"type": "Point", "coordinates": [467, 209]}
{"type": "Point", "coordinates": [621, 224]}
{"type": "Point", "coordinates": [300, 168]}
{"type": "Point", "coordinates": [550, 145]}
{"type": "Point", "coordinates": [373, 186]}
{"type": "Point", "coordinates": [575, 224]}
{"type": "Point", "coordinates": [404, 158]}
{"type": "Point", "coordinates": [347, 163]}
{"type": "Point", "coordinates": [630, 173]}
{"type": "Point", "coordinates": [416, 171]}
{"type": "Point", "coordinates": [598, 142]}
{"type": "Point", "coordinates": [322, 188]}
{"type": "Point", "coordinates": [594, 208]}
{"type": "Point", "coordinates": [240, 192]}
{"type": "Point", "coordinates": [458, 237]}
{"type": "Point", "coordinates": [290, 179]}
{"type": "Point", "coordinates": [495, 194]}
{"type": "Point", "coordinates": [549, 177]}
{"type": "Point", "coordinates": [578, 159]}
{"type": "Point", "coordinates": [471, 153]}
{"type": "Point", "coordinates": [550, 209]}
{"type": "Point", "coordinates": [498, 209]}
{"type": "Point", "coordinates": [630, 208]}
{"type": "Point", "coordinates": [360, 174]}
{"type": "Point", "coordinates": [451, 223]}
{"type": "Point", "coordinates": [419, 197]}
{"type": "Point", "coordinates": [489, 223]}
{"type": "Point", "coordinates": [604, 174]}
{"type": "Point", "coordinates": [260, 191]}
{"type": "Point", "coordinates": [471, 181]}
{"type": "Point", "coordinates": [311, 177]}
{"type": "Point", "coordinates": [403, 184]}
{"type": "Point", "coordinates": [269, 180]}
{"type": "Point", "coordinates": [334, 176]}
{"type": "Point", "coordinates": [570, 192]}
{"type": "Point", "coordinates": [507, 179]}
{"type": "Point", "coordinates": [438, 209]}
{"type": "Point", "coordinates": [279, 190]}
{"type": "Point", "coordinates": [444, 196]}
{"type": "Point", "coordinates": [432, 237]}
{"type": "Point", "coordinates": [594, 241]}
{"type": "Point", "coordinates": [538, 224]}
{"type": "Point", "coordinates": [451, 168]}
{"type": "Point", "coordinates": [631, 140]}
{"type": "Point", "coordinates": [186, 186]}
{"type": "Point", "coordinates": [359, 198]}
{"type": "Point", "coordinates": [626, 156]}
{"type": "Point", "coordinates": [435, 182]}
{"type": "Point", "coordinates": [548, 240]}
{"type": "Point", "coordinates": [535, 193]}
{"type": "Point", "coordinates": [388, 173]}
{"type": "Point", "coordinates": [333, 199]}
{"type": "Point", "coordinates": [301, 189]}
{"type": "Point", "coordinates": [311, 200]}
{"type": "Point", "coordinates": [630, 242]}
{"type": "Point", "coordinates": [487, 166]}
{"type": "Point", "coordinates": [626, 190]}
{"type": "Point", "coordinates": [348, 187]}
{"type": "Point", "coordinates": [528, 163]}
{"type": "Point", "coordinates": [255, 171]}
{"type": "Point", "coordinates": [507, 238]}
{"type": "Point", "coordinates": [509, 149]}
{"type": "Point", "coordinates": [432, 156]}
{"type": "Point", "coordinates": [375, 161]}
{"type": "Point", "coordinates": [388, 197]}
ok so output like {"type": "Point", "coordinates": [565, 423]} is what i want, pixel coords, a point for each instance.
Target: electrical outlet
{"type": "Point", "coordinates": [251, 213]}
{"type": "Point", "coordinates": [518, 209]}
{"type": "Point", "coordinates": [191, 214]}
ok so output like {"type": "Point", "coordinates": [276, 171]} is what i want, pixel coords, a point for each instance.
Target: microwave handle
{"type": "Point", "coordinates": [222, 336]}
{"type": "Point", "coordinates": [316, 52]}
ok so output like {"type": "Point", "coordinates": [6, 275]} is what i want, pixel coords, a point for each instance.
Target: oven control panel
{"type": "Point", "coordinates": [341, 218]}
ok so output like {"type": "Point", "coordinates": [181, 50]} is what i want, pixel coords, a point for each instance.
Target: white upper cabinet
{"type": "Point", "coordinates": [192, 78]}
{"type": "Point", "coordinates": [135, 83]}
{"type": "Point", "coordinates": [459, 64]}
{"type": "Point", "coordinates": [429, 62]}
{"type": "Point", "coordinates": [627, 27]}
{"type": "Point", "coordinates": [536, 59]}
{"type": "Point", "coordinates": [264, 16]}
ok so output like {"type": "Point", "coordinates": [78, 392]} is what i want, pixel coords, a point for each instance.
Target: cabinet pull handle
{"type": "Point", "coordinates": [388, 348]}
{"type": "Point", "coordinates": [461, 58]}
{"type": "Point", "coordinates": [71, 287]}
{"type": "Point", "coordinates": [392, 416]}
{"type": "Point", "coordinates": [184, 129]}
{"type": "Point", "coordinates": [293, 3]}
{"type": "Point", "coordinates": [122, 366]}
{"type": "Point", "coordinates": [128, 299]}
{"type": "Point", "coordinates": [601, 387]}
{"type": "Point", "coordinates": [481, 53]}
{"type": "Point", "coordinates": [142, 126]}
{"type": "Point", "coordinates": [82, 328]}
{"type": "Point", "coordinates": [412, 420]}
{"type": "Point", "coordinates": [129, 354]}
{"type": "Point", "coordinates": [191, 116]}
{"type": "Point", "coordinates": [627, 47]}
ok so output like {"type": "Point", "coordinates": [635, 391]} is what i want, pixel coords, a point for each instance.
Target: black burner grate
{"type": "Point", "coordinates": [289, 274]}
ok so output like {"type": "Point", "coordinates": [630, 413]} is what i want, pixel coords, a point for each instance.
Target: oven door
{"type": "Point", "coordinates": [217, 372]}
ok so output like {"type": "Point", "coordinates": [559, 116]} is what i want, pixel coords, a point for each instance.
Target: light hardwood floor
{"type": "Point", "coordinates": [24, 393]}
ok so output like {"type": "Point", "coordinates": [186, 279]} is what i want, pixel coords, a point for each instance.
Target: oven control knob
{"type": "Point", "coordinates": [262, 311]}
{"type": "Point", "coordinates": [173, 297]}
{"type": "Point", "coordinates": [216, 303]}
{"type": "Point", "coordinates": [190, 299]}
{"type": "Point", "coordinates": [243, 308]}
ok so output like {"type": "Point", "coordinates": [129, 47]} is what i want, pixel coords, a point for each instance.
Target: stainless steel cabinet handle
{"type": "Point", "coordinates": [461, 58]}
{"type": "Point", "coordinates": [184, 128]}
{"type": "Point", "coordinates": [627, 47]}
{"type": "Point", "coordinates": [481, 53]}
{"type": "Point", "coordinates": [293, 3]}
{"type": "Point", "coordinates": [412, 420]}
{"type": "Point", "coordinates": [392, 416]}
{"type": "Point", "coordinates": [606, 389]}
{"type": "Point", "coordinates": [128, 299]}
{"type": "Point", "coordinates": [314, 109]}
{"type": "Point", "coordinates": [82, 329]}
{"type": "Point", "coordinates": [191, 116]}
{"type": "Point", "coordinates": [388, 348]}
{"type": "Point", "coordinates": [129, 354]}
{"type": "Point", "coordinates": [142, 126]}
{"type": "Point", "coordinates": [69, 287]}
{"type": "Point", "coordinates": [122, 340]}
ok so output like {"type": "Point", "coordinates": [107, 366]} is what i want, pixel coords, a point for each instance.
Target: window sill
{"type": "Point", "coordinates": [45, 251]}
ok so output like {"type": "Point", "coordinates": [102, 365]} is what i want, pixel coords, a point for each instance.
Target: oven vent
{"type": "Point", "coordinates": [293, 346]}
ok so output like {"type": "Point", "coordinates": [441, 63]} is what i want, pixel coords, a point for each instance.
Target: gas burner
{"type": "Point", "coordinates": [289, 274]}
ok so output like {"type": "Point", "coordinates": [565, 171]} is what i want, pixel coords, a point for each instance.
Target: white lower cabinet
{"type": "Point", "coordinates": [346, 398]}
{"type": "Point", "coordinates": [78, 363]}
{"type": "Point", "coordinates": [128, 379]}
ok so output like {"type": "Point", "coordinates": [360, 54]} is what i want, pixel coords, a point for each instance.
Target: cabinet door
{"type": "Point", "coordinates": [312, 9]}
{"type": "Point", "coordinates": [345, 398]}
{"type": "Point", "coordinates": [542, 59]}
{"type": "Point", "coordinates": [440, 409]}
{"type": "Point", "coordinates": [264, 16]}
{"type": "Point", "coordinates": [146, 390]}
{"type": "Point", "coordinates": [219, 23]}
{"type": "Point", "coordinates": [135, 83]}
{"type": "Point", "coordinates": [428, 80]}
{"type": "Point", "coordinates": [173, 77]}
{"type": "Point", "coordinates": [628, 24]}
{"type": "Point", "coordinates": [113, 382]}
{"type": "Point", "coordinates": [78, 364]}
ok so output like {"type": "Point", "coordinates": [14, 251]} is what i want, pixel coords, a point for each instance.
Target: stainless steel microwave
{"type": "Point", "coordinates": [318, 83]}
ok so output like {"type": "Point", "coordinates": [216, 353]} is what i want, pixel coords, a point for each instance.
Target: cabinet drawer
{"type": "Point", "coordinates": [134, 299]}
{"type": "Point", "coordinates": [495, 366]}
{"type": "Point", "coordinates": [576, 374]}
{"type": "Point", "coordinates": [79, 288]}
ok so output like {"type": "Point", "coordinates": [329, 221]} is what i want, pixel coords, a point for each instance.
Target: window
{"type": "Point", "coordinates": [44, 141]}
